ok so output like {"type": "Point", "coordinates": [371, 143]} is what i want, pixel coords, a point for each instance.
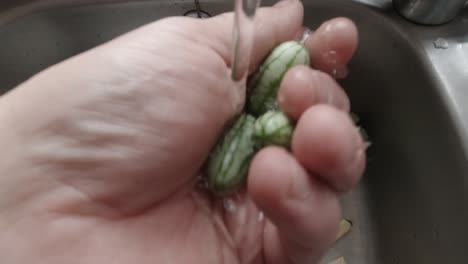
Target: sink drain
{"type": "Point", "coordinates": [197, 14]}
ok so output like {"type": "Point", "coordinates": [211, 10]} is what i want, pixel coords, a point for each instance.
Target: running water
{"type": "Point", "coordinates": [243, 37]}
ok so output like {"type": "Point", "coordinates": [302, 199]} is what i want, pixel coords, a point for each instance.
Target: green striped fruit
{"type": "Point", "coordinates": [273, 128]}
{"type": "Point", "coordinates": [228, 164]}
{"type": "Point", "coordinates": [264, 85]}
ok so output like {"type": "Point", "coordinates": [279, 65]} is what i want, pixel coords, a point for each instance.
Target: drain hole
{"type": "Point", "coordinates": [197, 14]}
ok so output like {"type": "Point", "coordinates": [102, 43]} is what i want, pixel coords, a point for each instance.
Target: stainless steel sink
{"type": "Point", "coordinates": [412, 95]}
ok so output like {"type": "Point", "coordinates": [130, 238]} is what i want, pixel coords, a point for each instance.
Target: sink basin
{"type": "Point", "coordinates": [412, 205]}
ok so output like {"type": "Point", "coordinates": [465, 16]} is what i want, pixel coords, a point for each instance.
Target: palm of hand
{"type": "Point", "coordinates": [169, 220]}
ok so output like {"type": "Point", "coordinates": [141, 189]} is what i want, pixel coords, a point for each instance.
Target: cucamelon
{"type": "Point", "coordinates": [262, 122]}
{"type": "Point", "coordinates": [263, 87]}
{"type": "Point", "coordinates": [228, 164]}
{"type": "Point", "coordinates": [273, 128]}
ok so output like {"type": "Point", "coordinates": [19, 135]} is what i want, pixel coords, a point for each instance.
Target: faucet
{"type": "Point", "coordinates": [429, 12]}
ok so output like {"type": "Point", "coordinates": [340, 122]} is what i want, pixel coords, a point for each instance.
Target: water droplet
{"type": "Point", "coordinates": [229, 205]}
{"type": "Point", "coordinates": [441, 43]}
{"type": "Point", "coordinates": [331, 60]}
{"type": "Point", "coordinates": [202, 183]}
{"type": "Point", "coordinates": [330, 57]}
{"type": "Point", "coordinates": [260, 217]}
{"type": "Point", "coordinates": [328, 28]}
{"type": "Point", "coordinates": [306, 33]}
{"type": "Point", "coordinates": [340, 72]}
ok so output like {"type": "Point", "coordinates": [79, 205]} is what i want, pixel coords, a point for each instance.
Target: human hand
{"type": "Point", "coordinates": [103, 151]}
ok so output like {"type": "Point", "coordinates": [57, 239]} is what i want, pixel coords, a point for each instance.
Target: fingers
{"type": "Point", "coordinates": [298, 192]}
{"type": "Point", "coordinates": [326, 142]}
{"type": "Point", "coordinates": [303, 87]}
{"type": "Point", "coordinates": [332, 46]}
{"type": "Point", "coordinates": [303, 211]}
{"type": "Point", "coordinates": [273, 25]}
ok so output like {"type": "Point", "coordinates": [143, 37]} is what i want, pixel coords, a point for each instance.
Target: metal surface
{"type": "Point", "coordinates": [412, 206]}
{"type": "Point", "coordinates": [431, 12]}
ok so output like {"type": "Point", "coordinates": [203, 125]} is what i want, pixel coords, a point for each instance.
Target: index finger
{"type": "Point", "coordinates": [333, 45]}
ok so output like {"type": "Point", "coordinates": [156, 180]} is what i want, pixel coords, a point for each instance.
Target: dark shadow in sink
{"type": "Point", "coordinates": [36, 41]}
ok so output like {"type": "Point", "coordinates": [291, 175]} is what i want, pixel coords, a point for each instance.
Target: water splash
{"type": "Point", "coordinates": [306, 33]}
{"type": "Point", "coordinates": [229, 205]}
{"type": "Point", "coordinates": [261, 217]}
{"type": "Point", "coordinates": [331, 59]}
{"type": "Point", "coordinates": [243, 37]}
{"type": "Point", "coordinates": [441, 43]}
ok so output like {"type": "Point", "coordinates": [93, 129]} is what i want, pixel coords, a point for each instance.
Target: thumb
{"type": "Point", "coordinates": [273, 25]}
